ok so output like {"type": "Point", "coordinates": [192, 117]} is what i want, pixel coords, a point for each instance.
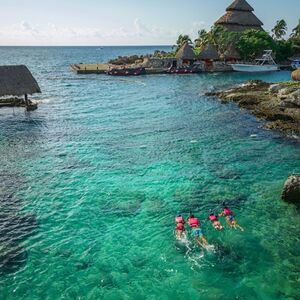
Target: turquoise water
{"type": "Point", "coordinates": [91, 181]}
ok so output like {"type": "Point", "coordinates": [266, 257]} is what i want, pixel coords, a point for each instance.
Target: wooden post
{"type": "Point", "coordinates": [26, 100]}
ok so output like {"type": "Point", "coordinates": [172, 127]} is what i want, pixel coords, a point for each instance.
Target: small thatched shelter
{"type": "Point", "coordinates": [17, 81]}
{"type": "Point", "coordinates": [240, 17]}
{"type": "Point", "coordinates": [186, 52]}
{"type": "Point", "coordinates": [209, 52]}
{"type": "Point", "coordinates": [185, 55]}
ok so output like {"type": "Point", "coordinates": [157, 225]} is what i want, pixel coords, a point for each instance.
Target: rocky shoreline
{"type": "Point", "coordinates": [278, 104]}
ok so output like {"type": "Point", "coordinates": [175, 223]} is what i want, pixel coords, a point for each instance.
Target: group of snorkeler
{"type": "Point", "coordinates": [195, 225]}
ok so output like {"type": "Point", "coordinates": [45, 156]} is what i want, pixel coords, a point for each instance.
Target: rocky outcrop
{"type": "Point", "coordinates": [296, 75]}
{"type": "Point", "coordinates": [127, 60]}
{"type": "Point", "coordinates": [291, 190]}
{"type": "Point", "coordinates": [278, 104]}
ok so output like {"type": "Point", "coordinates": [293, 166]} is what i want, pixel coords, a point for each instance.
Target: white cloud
{"type": "Point", "coordinates": [50, 34]}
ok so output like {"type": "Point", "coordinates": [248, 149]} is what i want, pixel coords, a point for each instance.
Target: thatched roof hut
{"type": "Point", "coordinates": [17, 81]}
{"type": "Point", "coordinates": [209, 52]}
{"type": "Point", "coordinates": [240, 17]}
{"type": "Point", "coordinates": [186, 52]}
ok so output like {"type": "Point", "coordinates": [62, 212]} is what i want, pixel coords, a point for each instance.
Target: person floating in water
{"type": "Point", "coordinates": [230, 219]}
{"type": "Point", "coordinates": [197, 232]}
{"type": "Point", "coordinates": [215, 221]}
{"type": "Point", "coordinates": [180, 231]}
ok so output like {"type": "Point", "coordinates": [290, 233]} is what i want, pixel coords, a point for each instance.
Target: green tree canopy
{"type": "Point", "coordinates": [222, 38]}
{"type": "Point", "coordinates": [296, 32]}
{"type": "Point", "coordinates": [202, 38]}
{"type": "Point", "coordinates": [182, 39]}
{"type": "Point", "coordinates": [279, 30]}
{"type": "Point", "coordinates": [252, 43]}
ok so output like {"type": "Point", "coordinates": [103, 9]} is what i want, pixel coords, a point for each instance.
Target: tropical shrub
{"type": "Point", "coordinates": [252, 43]}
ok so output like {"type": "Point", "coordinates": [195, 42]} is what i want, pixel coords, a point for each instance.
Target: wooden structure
{"type": "Point", "coordinates": [15, 81]}
{"type": "Point", "coordinates": [239, 17]}
{"type": "Point", "coordinates": [185, 55]}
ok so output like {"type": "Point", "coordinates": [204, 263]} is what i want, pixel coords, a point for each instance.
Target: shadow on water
{"type": "Point", "coordinates": [15, 225]}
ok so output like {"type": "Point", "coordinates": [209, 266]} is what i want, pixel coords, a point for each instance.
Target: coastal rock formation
{"type": "Point", "coordinates": [291, 190]}
{"type": "Point", "coordinates": [296, 75]}
{"type": "Point", "coordinates": [278, 104]}
{"type": "Point", "coordinates": [127, 60]}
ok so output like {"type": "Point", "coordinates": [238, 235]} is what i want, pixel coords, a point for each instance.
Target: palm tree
{"type": "Point", "coordinates": [203, 38]}
{"type": "Point", "coordinates": [296, 32]}
{"type": "Point", "coordinates": [222, 38]}
{"type": "Point", "coordinates": [279, 30]}
{"type": "Point", "coordinates": [182, 39]}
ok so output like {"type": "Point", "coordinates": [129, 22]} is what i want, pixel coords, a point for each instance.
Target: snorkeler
{"type": "Point", "coordinates": [180, 231]}
{"type": "Point", "coordinates": [230, 219]}
{"type": "Point", "coordinates": [215, 221]}
{"type": "Point", "coordinates": [197, 232]}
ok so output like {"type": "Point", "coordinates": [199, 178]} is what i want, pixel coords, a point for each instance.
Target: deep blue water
{"type": "Point", "coordinates": [91, 181]}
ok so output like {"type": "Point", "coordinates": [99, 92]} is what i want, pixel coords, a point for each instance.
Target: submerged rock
{"type": "Point", "coordinates": [291, 190]}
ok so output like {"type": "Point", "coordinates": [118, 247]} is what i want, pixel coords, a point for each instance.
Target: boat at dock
{"type": "Point", "coordinates": [264, 64]}
{"type": "Point", "coordinates": [296, 64]}
{"type": "Point", "coordinates": [126, 72]}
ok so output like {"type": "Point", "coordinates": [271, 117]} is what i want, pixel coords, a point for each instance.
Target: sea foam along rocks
{"type": "Point", "coordinates": [291, 190]}
{"type": "Point", "coordinates": [296, 75]}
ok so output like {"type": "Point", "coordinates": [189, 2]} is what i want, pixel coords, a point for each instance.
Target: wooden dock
{"type": "Point", "coordinates": [102, 68]}
{"type": "Point", "coordinates": [90, 68]}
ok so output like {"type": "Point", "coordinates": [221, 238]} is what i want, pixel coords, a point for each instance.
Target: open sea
{"type": "Point", "coordinates": [90, 184]}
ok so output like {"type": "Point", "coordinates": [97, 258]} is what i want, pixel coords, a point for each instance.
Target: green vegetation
{"type": "Point", "coordinates": [279, 30]}
{"type": "Point", "coordinates": [252, 43]}
{"type": "Point", "coordinates": [295, 36]}
{"type": "Point", "coordinates": [182, 39]}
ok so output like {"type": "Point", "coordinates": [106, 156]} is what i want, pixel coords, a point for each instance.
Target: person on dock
{"type": "Point", "coordinates": [197, 232]}
{"type": "Point", "coordinates": [214, 219]}
{"type": "Point", "coordinates": [180, 231]}
{"type": "Point", "coordinates": [230, 218]}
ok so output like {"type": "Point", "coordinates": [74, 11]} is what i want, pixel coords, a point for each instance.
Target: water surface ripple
{"type": "Point", "coordinates": [90, 183]}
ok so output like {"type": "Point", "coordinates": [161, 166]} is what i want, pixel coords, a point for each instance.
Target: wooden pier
{"type": "Point", "coordinates": [90, 68]}
{"type": "Point", "coordinates": [102, 68]}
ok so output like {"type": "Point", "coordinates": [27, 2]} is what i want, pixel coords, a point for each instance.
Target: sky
{"type": "Point", "coordinates": [122, 22]}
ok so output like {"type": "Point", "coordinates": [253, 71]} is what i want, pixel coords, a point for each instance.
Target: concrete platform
{"type": "Point", "coordinates": [90, 68]}
{"type": "Point", "coordinates": [102, 68]}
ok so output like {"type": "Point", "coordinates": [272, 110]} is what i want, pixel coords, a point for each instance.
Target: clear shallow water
{"type": "Point", "coordinates": [91, 181]}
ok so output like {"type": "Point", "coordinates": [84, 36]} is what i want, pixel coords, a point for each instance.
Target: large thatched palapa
{"type": "Point", "coordinates": [17, 81]}
{"type": "Point", "coordinates": [209, 52]}
{"type": "Point", "coordinates": [186, 52]}
{"type": "Point", "coordinates": [240, 17]}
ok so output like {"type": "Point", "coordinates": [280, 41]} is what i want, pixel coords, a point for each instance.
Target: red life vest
{"type": "Point", "coordinates": [227, 212]}
{"type": "Point", "coordinates": [194, 222]}
{"type": "Point", "coordinates": [180, 227]}
{"type": "Point", "coordinates": [213, 218]}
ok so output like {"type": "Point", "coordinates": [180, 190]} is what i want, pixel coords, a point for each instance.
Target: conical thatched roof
{"type": "Point", "coordinates": [239, 17]}
{"type": "Point", "coordinates": [17, 81]}
{"type": "Point", "coordinates": [231, 52]}
{"type": "Point", "coordinates": [209, 51]}
{"type": "Point", "coordinates": [186, 52]}
{"type": "Point", "coordinates": [240, 5]}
